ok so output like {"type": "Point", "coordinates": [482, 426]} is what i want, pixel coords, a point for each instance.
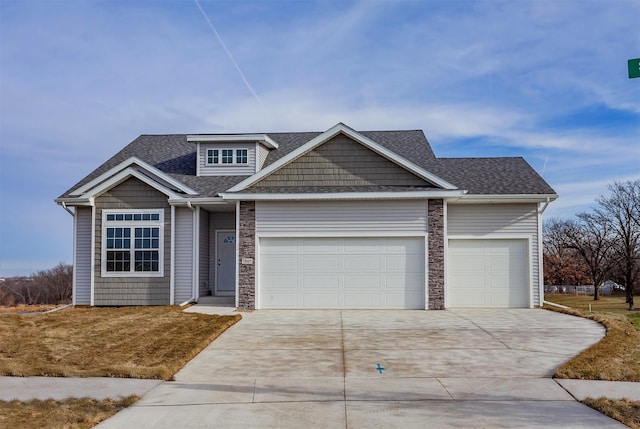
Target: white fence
{"type": "Point", "coordinates": [570, 290]}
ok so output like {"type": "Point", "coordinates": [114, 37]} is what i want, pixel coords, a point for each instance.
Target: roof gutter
{"type": "Point", "coordinates": [189, 202]}
{"type": "Point", "coordinates": [515, 198]}
{"type": "Point", "coordinates": [235, 138]}
{"type": "Point", "coordinates": [230, 196]}
{"type": "Point", "coordinates": [74, 201]}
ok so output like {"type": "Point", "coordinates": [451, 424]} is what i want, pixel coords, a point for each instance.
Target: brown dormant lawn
{"type": "Point", "coordinates": [623, 410]}
{"type": "Point", "coordinates": [69, 413]}
{"type": "Point", "coordinates": [615, 358]}
{"type": "Point", "coordinates": [129, 342]}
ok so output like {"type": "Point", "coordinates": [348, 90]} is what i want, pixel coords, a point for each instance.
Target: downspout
{"type": "Point", "coordinates": [73, 273]}
{"type": "Point", "coordinates": [64, 206]}
{"type": "Point", "coordinates": [172, 277]}
{"type": "Point", "coordinates": [193, 235]}
{"type": "Point", "coordinates": [546, 204]}
{"type": "Point", "coordinates": [540, 254]}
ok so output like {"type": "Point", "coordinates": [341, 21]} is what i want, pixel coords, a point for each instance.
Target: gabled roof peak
{"type": "Point", "coordinates": [126, 169]}
{"type": "Point", "coordinates": [360, 138]}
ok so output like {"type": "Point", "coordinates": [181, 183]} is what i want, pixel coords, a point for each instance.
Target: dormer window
{"type": "Point", "coordinates": [213, 156]}
{"type": "Point", "coordinates": [231, 154]}
{"type": "Point", "coordinates": [226, 156]}
{"type": "Point", "coordinates": [242, 156]}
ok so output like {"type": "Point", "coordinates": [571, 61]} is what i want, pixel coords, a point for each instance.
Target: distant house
{"type": "Point", "coordinates": [609, 287]}
{"type": "Point", "coordinates": [334, 219]}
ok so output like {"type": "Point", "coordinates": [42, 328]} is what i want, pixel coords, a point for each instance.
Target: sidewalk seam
{"type": "Point", "coordinates": [344, 371]}
{"type": "Point", "coordinates": [566, 390]}
{"type": "Point", "coordinates": [445, 389]}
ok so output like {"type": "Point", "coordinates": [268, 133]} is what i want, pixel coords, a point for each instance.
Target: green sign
{"type": "Point", "coordinates": [634, 68]}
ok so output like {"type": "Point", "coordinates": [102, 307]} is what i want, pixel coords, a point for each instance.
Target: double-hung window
{"type": "Point", "coordinates": [132, 244]}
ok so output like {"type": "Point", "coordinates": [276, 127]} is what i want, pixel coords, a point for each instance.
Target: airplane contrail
{"type": "Point", "coordinates": [246, 82]}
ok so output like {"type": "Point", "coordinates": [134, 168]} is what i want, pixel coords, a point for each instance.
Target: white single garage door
{"type": "Point", "coordinates": [342, 272]}
{"type": "Point", "coordinates": [488, 273]}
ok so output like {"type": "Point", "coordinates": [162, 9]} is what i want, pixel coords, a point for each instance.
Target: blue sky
{"type": "Point", "coordinates": [546, 80]}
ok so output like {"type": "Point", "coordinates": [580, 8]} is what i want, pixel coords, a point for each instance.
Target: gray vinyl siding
{"type": "Point", "coordinates": [262, 155]}
{"type": "Point", "coordinates": [498, 220]}
{"type": "Point", "coordinates": [117, 291]}
{"type": "Point", "coordinates": [82, 263]}
{"type": "Point", "coordinates": [184, 258]}
{"type": "Point", "coordinates": [365, 218]}
{"type": "Point", "coordinates": [227, 169]}
{"type": "Point", "coordinates": [217, 221]}
{"type": "Point", "coordinates": [341, 162]}
{"type": "Point", "coordinates": [203, 243]}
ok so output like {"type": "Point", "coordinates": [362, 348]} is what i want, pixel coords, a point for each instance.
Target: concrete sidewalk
{"type": "Point", "coordinates": [360, 402]}
{"type": "Point", "coordinates": [581, 389]}
{"type": "Point", "coordinates": [27, 388]}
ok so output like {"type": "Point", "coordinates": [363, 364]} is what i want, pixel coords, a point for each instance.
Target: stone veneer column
{"type": "Point", "coordinates": [247, 255]}
{"type": "Point", "coordinates": [435, 221]}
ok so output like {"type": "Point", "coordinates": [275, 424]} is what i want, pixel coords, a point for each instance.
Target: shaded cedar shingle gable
{"type": "Point", "coordinates": [340, 162]}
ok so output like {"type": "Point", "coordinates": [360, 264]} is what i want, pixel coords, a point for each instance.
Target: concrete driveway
{"type": "Point", "coordinates": [320, 369]}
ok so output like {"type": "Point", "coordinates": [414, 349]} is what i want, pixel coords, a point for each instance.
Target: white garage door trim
{"type": "Point", "coordinates": [526, 239]}
{"type": "Point", "coordinates": [384, 299]}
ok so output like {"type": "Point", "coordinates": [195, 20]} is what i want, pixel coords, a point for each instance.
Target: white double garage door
{"type": "Point", "coordinates": [347, 272]}
{"type": "Point", "coordinates": [357, 269]}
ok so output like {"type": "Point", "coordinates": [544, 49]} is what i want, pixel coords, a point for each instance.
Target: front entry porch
{"type": "Point", "coordinates": [217, 247]}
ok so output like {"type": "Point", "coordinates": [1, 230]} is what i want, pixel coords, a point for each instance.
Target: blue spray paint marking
{"type": "Point", "coordinates": [380, 369]}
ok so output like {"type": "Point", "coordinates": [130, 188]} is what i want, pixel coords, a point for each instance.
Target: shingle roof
{"type": "Point", "coordinates": [174, 155]}
{"type": "Point", "coordinates": [488, 176]}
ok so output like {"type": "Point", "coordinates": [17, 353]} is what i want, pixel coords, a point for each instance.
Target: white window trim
{"type": "Point", "coordinates": [234, 158]}
{"type": "Point", "coordinates": [132, 224]}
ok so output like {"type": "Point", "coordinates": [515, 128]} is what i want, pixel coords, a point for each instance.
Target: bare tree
{"type": "Point", "coordinates": [24, 290]}
{"type": "Point", "coordinates": [562, 265]}
{"type": "Point", "coordinates": [56, 284]}
{"type": "Point", "coordinates": [52, 286]}
{"type": "Point", "coordinates": [621, 212]}
{"type": "Point", "coordinates": [590, 236]}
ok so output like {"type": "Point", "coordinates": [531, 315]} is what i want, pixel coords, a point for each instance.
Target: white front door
{"type": "Point", "coordinates": [225, 262]}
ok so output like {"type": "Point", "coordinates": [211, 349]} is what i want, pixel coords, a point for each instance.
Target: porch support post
{"type": "Point", "coordinates": [247, 255]}
{"type": "Point", "coordinates": [435, 219]}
